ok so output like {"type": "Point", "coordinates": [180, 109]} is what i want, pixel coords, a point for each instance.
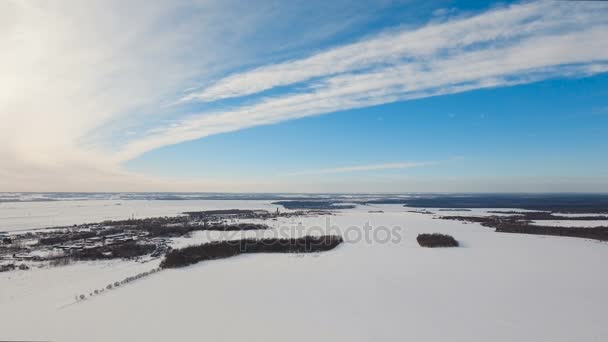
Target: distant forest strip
{"type": "Point", "coordinates": [520, 225]}
{"type": "Point", "coordinates": [597, 233]}
{"type": "Point", "coordinates": [224, 249]}
{"type": "Point", "coordinates": [319, 205]}
{"type": "Point", "coordinates": [564, 203]}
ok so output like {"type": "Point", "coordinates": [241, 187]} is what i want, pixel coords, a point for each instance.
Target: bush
{"type": "Point", "coordinates": [436, 240]}
{"type": "Point", "coordinates": [225, 249]}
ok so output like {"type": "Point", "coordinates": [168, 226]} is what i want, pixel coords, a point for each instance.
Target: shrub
{"type": "Point", "coordinates": [225, 249]}
{"type": "Point", "coordinates": [436, 240]}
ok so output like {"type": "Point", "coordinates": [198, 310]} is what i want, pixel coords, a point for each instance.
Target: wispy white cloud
{"type": "Point", "coordinates": [434, 41]}
{"type": "Point", "coordinates": [517, 44]}
{"type": "Point", "coordinates": [84, 86]}
{"type": "Point", "coordinates": [361, 168]}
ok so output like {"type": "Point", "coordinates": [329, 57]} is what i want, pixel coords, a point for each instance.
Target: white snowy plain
{"type": "Point", "coordinates": [495, 287]}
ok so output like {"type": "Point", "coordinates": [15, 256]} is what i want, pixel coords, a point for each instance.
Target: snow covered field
{"type": "Point", "coordinates": [496, 287]}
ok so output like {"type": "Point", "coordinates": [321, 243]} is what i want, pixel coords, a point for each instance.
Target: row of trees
{"type": "Point", "coordinates": [117, 284]}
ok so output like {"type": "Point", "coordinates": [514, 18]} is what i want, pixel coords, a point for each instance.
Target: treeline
{"type": "Point", "coordinates": [515, 224]}
{"type": "Point", "coordinates": [124, 251]}
{"type": "Point", "coordinates": [324, 205]}
{"type": "Point", "coordinates": [178, 226]}
{"type": "Point", "coordinates": [52, 240]}
{"type": "Point", "coordinates": [225, 249]}
{"type": "Point", "coordinates": [157, 230]}
{"type": "Point", "coordinates": [596, 233]}
{"type": "Point", "coordinates": [212, 214]}
{"type": "Point", "coordinates": [543, 215]}
{"type": "Point", "coordinates": [63, 237]}
{"type": "Point", "coordinates": [563, 203]}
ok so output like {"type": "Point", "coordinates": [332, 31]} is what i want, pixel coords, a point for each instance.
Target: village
{"type": "Point", "coordinates": [136, 239]}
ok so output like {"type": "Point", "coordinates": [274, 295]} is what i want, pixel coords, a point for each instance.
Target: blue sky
{"type": "Point", "coordinates": [305, 96]}
{"type": "Point", "coordinates": [553, 131]}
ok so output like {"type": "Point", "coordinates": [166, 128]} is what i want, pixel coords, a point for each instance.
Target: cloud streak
{"type": "Point", "coordinates": [434, 41]}
{"type": "Point", "coordinates": [518, 44]}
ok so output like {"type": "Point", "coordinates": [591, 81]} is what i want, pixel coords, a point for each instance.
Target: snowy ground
{"type": "Point", "coordinates": [497, 287]}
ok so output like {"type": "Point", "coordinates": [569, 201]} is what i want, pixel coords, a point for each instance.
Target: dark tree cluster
{"type": "Point", "coordinates": [57, 238]}
{"type": "Point", "coordinates": [212, 214]}
{"type": "Point", "coordinates": [544, 215]}
{"type": "Point", "coordinates": [225, 249]}
{"type": "Point", "coordinates": [596, 233]}
{"type": "Point", "coordinates": [436, 240]}
{"type": "Point", "coordinates": [324, 205]}
{"type": "Point", "coordinates": [237, 227]}
{"type": "Point", "coordinates": [10, 267]}
{"type": "Point", "coordinates": [124, 251]}
{"type": "Point", "coordinates": [52, 240]}
{"type": "Point", "coordinates": [158, 230]}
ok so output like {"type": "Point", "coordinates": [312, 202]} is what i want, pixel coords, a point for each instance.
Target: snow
{"type": "Point", "coordinates": [497, 287]}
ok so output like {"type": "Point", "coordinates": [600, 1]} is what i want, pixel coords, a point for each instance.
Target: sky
{"type": "Point", "coordinates": [304, 96]}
